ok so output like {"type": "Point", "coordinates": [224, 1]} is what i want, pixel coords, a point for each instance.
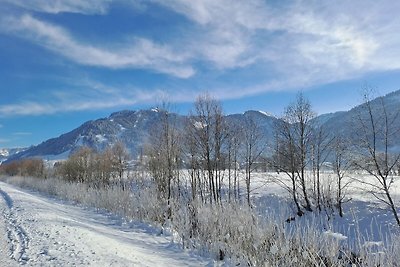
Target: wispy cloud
{"type": "Point", "coordinates": [44, 108]}
{"type": "Point", "coordinates": [283, 45]}
{"type": "Point", "coordinates": [308, 39]}
{"type": "Point", "coordinates": [22, 133]}
{"type": "Point", "coordinates": [59, 6]}
{"type": "Point", "coordinates": [221, 37]}
{"type": "Point", "coordinates": [139, 53]}
{"type": "Point", "coordinates": [73, 101]}
{"type": "Point", "coordinates": [301, 38]}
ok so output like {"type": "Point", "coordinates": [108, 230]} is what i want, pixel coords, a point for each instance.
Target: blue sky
{"type": "Point", "coordinates": [65, 62]}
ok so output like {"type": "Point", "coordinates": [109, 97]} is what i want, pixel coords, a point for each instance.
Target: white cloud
{"type": "Point", "coordinates": [58, 6]}
{"type": "Point", "coordinates": [223, 37]}
{"type": "Point", "coordinates": [139, 53]}
{"type": "Point", "coordinates": [300, 38]}
{"type": "Point", "coordinates": [296, 43]}
{"type": "Point", "coordinates": [312, 40]}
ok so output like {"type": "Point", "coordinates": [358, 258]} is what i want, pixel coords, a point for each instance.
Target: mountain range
{"type": "Point", "coordinates": [133, 128]}
{"type": "Point", "coordinates": [6, 153]}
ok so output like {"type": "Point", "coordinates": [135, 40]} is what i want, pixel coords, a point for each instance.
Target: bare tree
{"type": "Point", "coordinates": [165, 152]}
{"type": "Point", "coordinates": [376, 133]}
{"type": "Point", "coordinates": [207, 130]}
{"type": "Point", "coordinates": [120, 161]}
{"type": "Point", "coordinates": [285, 160]}
{"type": "Point", "coordinates": [299, 115]}
{"type": "Point", "coordinates": [294, 136]}
{"type": "Point", "coordinates": [102, 168]}
{"type": "Point", "coordinates": [235, 136]}
{"type": "Point", "coordinates": [88, 166]}
{"type": "Point", "coordinates": [341, 165]}
{"type": "Point", "coordinates": [320, 150]}
{"type": "Point", "coordinates": [79, 166]}
{"type": "Point", "coordinates": [193, 161]}
{"type": "Point", "coordinates": [253, 148]}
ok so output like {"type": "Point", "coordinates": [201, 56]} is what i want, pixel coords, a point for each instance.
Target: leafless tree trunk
{"type": "Point", "coordinates": [298, 115]}
{"type": "Point", "coordinates": [321, 144]}
{"type": "Point", "coordinates": [164, 152]}
{"type": "Point", "coordinates": [233, 145]}
{"type": "Point", "coordinates": [120, 159]}
{"type": "Point", "coordinates": [341, 164]}
{"type": "Point", "coordinates": [253, 148]}
{"type": "Point", "coordinates": [285, 160]}
{"type": "Point", "coordinates": [220, 138]}
{"type": "Point", "coordinates": [194, 162]}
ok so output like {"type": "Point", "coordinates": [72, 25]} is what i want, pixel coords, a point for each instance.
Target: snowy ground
{"type": "Point", "coordinates": [364, 216]}
{"type": "Point", "coordinates": [42, 231]}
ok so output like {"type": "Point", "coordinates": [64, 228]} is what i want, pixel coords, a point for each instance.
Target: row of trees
{"type": "Point", "coordinates": [303, 146]}
{"type": "Point", "coordinates": [95, 168]}
{"type": "Point", "coordinates": [212, 149]}
{"type": "Point", "coordinates": [25, 167]}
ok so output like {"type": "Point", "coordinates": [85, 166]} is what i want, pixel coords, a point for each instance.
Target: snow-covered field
{"type": "Point", "coordinates": [363, 213]}
{"type": "Point", "coordinates": [41, 231]}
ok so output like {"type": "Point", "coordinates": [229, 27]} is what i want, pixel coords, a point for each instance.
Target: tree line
{"type": "Point", "coordinates": [212, 149]}
{"type": "Point", "coordinates": [208, 158]}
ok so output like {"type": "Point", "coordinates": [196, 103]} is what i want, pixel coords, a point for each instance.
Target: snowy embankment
{"type": "Point", "coordinates": [41, 231]}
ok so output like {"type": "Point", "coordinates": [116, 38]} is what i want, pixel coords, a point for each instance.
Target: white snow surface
{"type": "Point", "coordinates": [101, 138]}
{"type": "Point", "coordinates": [199, 125]}
{"type": "Point", "coordinates": [267, 113]}
{"type": "Point", "coordinates": [4, 152]}
{"type": "Point", "coordinates": [334, 235]}
{"type": "Point", "coordinates": [41, 231]}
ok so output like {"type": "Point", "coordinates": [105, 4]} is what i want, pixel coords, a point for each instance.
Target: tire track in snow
{"type": "Point", "coordinates": [7, 199]}
{"type": "Point", "coordinates": [18, 238]}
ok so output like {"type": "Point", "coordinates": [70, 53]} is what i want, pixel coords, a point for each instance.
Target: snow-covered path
{"type": "Point", "coordinates": [40, 231]}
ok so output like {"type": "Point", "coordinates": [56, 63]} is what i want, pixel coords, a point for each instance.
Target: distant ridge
{"type": "Point", "coordinates": [130, 127]}
{"type": "Point", "coordinates": [133, 129]}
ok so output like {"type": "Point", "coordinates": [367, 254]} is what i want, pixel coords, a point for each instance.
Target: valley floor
{"type": "Point", "coordinates": [41, 231]}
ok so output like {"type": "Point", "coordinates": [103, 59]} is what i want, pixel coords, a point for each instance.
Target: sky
{"type": "Point", "coordinates": [64, 62]}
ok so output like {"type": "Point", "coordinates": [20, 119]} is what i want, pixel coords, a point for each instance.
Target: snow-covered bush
{"type": "Point", "coordinates": [234, 233]}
